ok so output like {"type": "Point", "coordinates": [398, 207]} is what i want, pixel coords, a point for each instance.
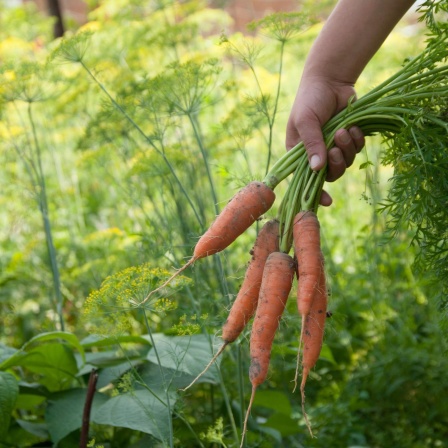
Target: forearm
{"type": "Point", "coordinates": [353, 33]}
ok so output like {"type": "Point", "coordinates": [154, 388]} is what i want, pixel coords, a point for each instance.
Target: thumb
{"type": "Point", "coordinates": [311, 134]}
{"type": "Point", "coordinates": [308, 130]}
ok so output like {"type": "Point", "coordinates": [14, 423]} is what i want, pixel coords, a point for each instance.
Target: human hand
{"type": "Point", "coordinates": [317, 100]}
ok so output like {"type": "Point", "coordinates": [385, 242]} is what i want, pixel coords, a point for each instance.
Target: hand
{"type": "Point", "coordinates": [317, 100]}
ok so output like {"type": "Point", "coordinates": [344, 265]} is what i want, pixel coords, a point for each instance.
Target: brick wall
{"type": "Point", "coordinates": [243, 11]}
{"type": "Point", "coordinates": [73, 9]}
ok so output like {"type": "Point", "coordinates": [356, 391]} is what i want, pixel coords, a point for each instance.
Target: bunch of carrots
{"type": "Point", "coordinates": [411, 98]}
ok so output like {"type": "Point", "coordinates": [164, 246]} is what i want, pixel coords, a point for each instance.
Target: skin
{"type": "Point", "coordinates": [353, 33]}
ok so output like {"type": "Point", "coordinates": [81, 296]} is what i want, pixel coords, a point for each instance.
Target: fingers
{"type": "Point", "coordinates": [348, 144]}
{"type": "Point", "coordinates": [309, 132]}
{"type": "Point", "coordinates": [325, 199]}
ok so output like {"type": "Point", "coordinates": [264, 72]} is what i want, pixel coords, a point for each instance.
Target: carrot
{"type": "Point", "coordinates": [275, 287]}
{"type": "Point", "coordinates": [311, 294]}
{"type": "Point", "coordinates": [238, 215]}
{"type": "Point", "coordinates": [313, 333]}
{"type": "Point", "coordinates": [246, 301]}
{"type": "Point", "coordinates": [245, 304]}
{"type": "Point", "coordinates": [306, 237]}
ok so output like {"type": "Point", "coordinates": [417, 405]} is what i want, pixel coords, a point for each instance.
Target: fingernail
{"type": "Point", "coordinates": [314, 161]}
{"type": "Point", "coordinates": [336, 156]}
{"type": "Point", "coordinates": [356, 132]}
{"type": "Point", "coordinates": [345, 138]}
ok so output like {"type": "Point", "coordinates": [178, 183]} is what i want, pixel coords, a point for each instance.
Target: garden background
{"type": "Point", "coordinates": [118, 145]}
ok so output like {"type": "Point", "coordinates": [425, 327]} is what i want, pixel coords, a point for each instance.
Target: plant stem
{"type": "Point", "coordinates": [162, 376]}
{"type": "Point", "coordinates": [148, 139]}
{"type": "Point", "coordinates": [274, 112]}
{"type": "Point", "coordinates": [93, 378]}
{"type": "Point", "coordinates": [43, 207]}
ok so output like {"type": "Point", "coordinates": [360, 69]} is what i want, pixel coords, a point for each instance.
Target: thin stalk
{"type": "Point", "coordinates": [285, 166]}
{"type": "Point", "coordinates": [204, 155]}
{"type": "Point", "coordinates": [239, 364]}
{"type": "Point", "coordinates": [290, 206]}
{"type": "Point", "coordinates": [274, 112]}
{"type": "Point", "coordinates": [43, 207]}
{"type": "Point", "coordinates": [165, 386]}
{"type": "Point", "coordinates": [147, 139]}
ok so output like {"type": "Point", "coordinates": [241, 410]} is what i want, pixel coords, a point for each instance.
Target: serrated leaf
{"type": "Point", "coordinates": [9, 391]}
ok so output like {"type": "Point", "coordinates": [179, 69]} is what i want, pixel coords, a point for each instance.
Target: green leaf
{"type": "Point", "coordinates": [53, 336]}
{"type": "Point", "coordinates": [65, 409]}
{"type": "Point", "coordinates": [274, 400]}
{"type": "Point", "coordinates": [6, 353]}
{"type": "Point", "coordinates": [11, 357]}
{"type": "Point", "coordinates": [37, 429]}
{"type": "Point", "coordinates": [139, 410]}
{"type": "Point", "coordinates": [157, 378]}
{"type": "Point", "coordinates": [54, 362]}
{"type": "Point", "coordinates": [110, 374]}
{"type": "Point", "coordinates": [101, 341]}
{"type": "Point", "coordinates": [365, 165]}
{"type": "Point", "coordinates": [188, 354]}
{"type": "Point", "coordinates": [9, 391]}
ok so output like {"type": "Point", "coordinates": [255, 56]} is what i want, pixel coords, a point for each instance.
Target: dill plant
{"type": "Point", "coordinates": [111, 309]}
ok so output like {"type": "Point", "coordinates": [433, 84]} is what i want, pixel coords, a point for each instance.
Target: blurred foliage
{"type": "Point", "coordinates": [118, 145]}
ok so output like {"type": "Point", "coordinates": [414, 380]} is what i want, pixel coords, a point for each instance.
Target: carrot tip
{"type": "Point", "coordinates": [302, 392]}
{"type": "Point", "coordinates": [221, 349]}
{"type": "Point", "coordinates": [246, 418]}
{"type": "Point", "coordinates": [170, 279]}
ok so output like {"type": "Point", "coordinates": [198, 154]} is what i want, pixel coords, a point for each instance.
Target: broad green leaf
{"type": "Point", "coordinates": [38, 429]}
{"type": "Point", "coordinates": [274, 400]}
{"type": "Point", "coordinates": [188, 354]}
{"type": "Point", "coordinates": [139, 410]}
{"type": "Point", "coordinates": [101, 341]}
{"type": "Point", "coordinates": [70, 338]}
{"type": "Point", "coordinates": [54, 362]}
{"type": "Point", "coordinates": [6, 353]}
{"type": "Point", "coordinates": [18, 357]}
{"type": "Point", "coordinates": [157, 378]}
{"type": "Point", "coordinates": [9, 391]}
{"type": "Point", "coordinates": [65, 409]}
{"type": "Point", "coordinates": [110, 374]}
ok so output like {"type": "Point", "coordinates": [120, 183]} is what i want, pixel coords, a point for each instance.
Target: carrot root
{"type": "Point", "coordinates": [246, 418]}
{"type": "Point", "coordinates": [166, 282]}
{"type": "Point", "coordinates": [215, 357]}
{"type": "Point", "coordinates": [296, 376]}
{"type": "Point", "coordinates": [306, 371]}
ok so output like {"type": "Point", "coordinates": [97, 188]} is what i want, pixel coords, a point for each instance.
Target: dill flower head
{"type": "Point", "coordinates": [111, 309]}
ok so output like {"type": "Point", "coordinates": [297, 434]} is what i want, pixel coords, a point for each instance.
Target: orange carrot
{"type": "Point", "coordinates": [275, 287]}
{"type": "Point", "coordinates": [306, 236]}
{"type": "Point", "coordinates": [238, 215]}
{"type": "Point", "coordinates": [312, 334]}
{"type": "Point", "coordinates": [246, 301]}
{"type": "Point", "coordinates": [245, 304]}
{"type": "Point", "coordinates": [311, 294]}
